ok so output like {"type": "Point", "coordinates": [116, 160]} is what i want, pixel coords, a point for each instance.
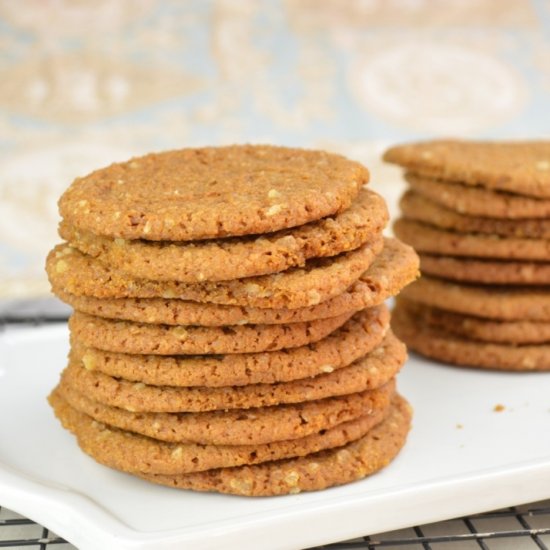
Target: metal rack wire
{"type": "Point", "coordinates": [525, 527]}
{"type": "Point", "coordinates": [518, 527]}
{"type": "Point", "coordinates": [18, 532]}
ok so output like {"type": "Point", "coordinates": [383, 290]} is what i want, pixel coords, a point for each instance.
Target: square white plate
{"type": "Point", "coordinates": [462, 457]}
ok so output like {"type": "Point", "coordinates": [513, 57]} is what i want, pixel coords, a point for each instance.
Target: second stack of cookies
{"type": "Point", "coordinates": [478, 213]}
{"type": "Point", "coordinates": [238, 341]}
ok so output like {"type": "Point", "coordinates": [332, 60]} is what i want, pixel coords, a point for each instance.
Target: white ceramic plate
{"type": "Point", "coordinates": [462, 457]}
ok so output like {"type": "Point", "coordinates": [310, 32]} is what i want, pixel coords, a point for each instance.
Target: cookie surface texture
{"type": "Point", "coordinates": [252, 427]}
{"type": "Point", "coordinates": [417, 207]}
{"type": "Point", "coordinates": [135, 453]}
{"type": "Point", "coordinates": [493, 302]}
{"type": "Point", "coordinates": [478, 270]}
{"type": "Point", "coordinates": [251, 189]}
{"type": "Point", "coordinates": [442, 346]}
{"type": "Point", "coordinates": [395, 267]}
{"type": "Point", "coordinates": [478, 201]}
{"type": "Point", "coordinates": [369, 372]}
{"type": "Point", "coordinates": [144, 338]}
{"type": "Point", "coordinates": [521, 167]}
{"type": "Point", "coordinates": [357, 337]}
{"type": "Point", "coordinates": [478, 328]}
{"type": "Point", "coordinates": [239, 257]}
{"type": "Point", "coordinates": [319, 280]}
{"type": "Point", "coordinates": [426, 238]}
{"type": "Point", "coordinates": [318, 471]}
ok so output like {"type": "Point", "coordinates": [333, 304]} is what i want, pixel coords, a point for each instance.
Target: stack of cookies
{"type": "Point", "coordinates": [479, 216]}
{"type": "Point", "coordinates": [230, 332]}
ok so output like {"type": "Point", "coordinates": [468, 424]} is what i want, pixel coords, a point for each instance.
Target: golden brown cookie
{"type": "Point", "coordinates": [426, 238]}
{"type": "Point", "coordinates": [369, 372]}
{"type": "Point", "coordinates": [415, 206]}
{"type": "Point", "coordinates": [251, 427]}
{"type": "Point", "coordinates": [318, 471]}
{"type": "Point", "coordinates": [478, 201]}
{"type": "Point", "coordinates": [395, 267]}
{"type": "Point", "coordinates": [238, 257]}
{"type": "Point", "coordinates": [145, 338]}
{"type": "Point", "coordinates": [521, 167]}
{"type": "Point", "coordinates": [474, 270]}
{"type": "Point", "coordinates": [492, 302]}
{"type": "Point", "coordinates": [136, 453]}
{"type": "Point", "coordinates": [357, 337]}
{"type": "Point", "coordinates": [319, 280]}
{"type": "Point", "coordinates": [478, 328]}
{"type": "Point", "coordinates": [212, 192]}
{"type": "Point", "coordinates": [438, 344]}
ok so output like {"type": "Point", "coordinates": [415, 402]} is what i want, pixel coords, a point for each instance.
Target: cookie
{"type": "Point", "coordinates": [496, 272]}
{"type": "Point", "coordinates": [143, 338]}
{"type": "Point", "coordinates": [521, 167]}
{"type": "Point", "coordinates": [357, 337]}
{"type": "Point", "coordinates": [477, 328]}
{"type": "Point", "coordinates": [369, 372]}
{"type": "Point", "coordinates": [505, 303]}
{"type": "Point", "coordinates": [477, 201]}
{"type": "Point", "coordinates": [250, 427]}
{"type": "Point", "coordinates": [426, 238]}
{"type": "Point", "coordinates": [136, 453]}
{"type": "Point", "coordinates": [438, 344]}
{"type": "Point", "coordinates": [238, 257]}
{"type": "Point", "coordinates": [318, 471]}
{"type": "Point", "coordinates": [212, 192]}
{"type": "Point", "coordinates": [319, 280]}
{"type": "Point", "coordinates": [395, 267]}
{"type": "Point", "coordinates": [415, 206]}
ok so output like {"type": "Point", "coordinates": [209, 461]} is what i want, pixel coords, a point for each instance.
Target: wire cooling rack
{"type": "Point", "coordinates": [516, 528]}
{"type": "Point", "coordinates": [525, 527]}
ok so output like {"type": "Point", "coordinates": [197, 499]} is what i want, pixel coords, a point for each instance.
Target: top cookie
{"type": "Point", "coordinates": [521, 167]}
{"type": "Point", "coordinates": [212, 192]}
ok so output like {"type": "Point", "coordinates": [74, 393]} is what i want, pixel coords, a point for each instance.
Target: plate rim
{"type": "Point", "coordinates": [47, 504]}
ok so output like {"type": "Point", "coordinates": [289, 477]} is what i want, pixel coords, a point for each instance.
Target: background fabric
{"type": "Point", "coordinates": [87, 83]}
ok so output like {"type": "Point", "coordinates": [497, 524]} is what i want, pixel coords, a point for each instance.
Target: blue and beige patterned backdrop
{"type": "Point", "coordinates": [90, 82]}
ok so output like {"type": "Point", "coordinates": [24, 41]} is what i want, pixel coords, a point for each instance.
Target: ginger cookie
{"type": "Point", "coordinates": [426, 238]}
{"type": "Point", "coordinates": [212, 192]}
{"type": "Point", "coordinates": [521, 167]}
{"type": "Point", "coordinates": [250, 427]}
{"type": "Point", "coordinates": [144, 338]}
{"type": "Point", "coordinates": [395, 267]}
{"type": "Point", "coordinates": [504, 303]}
{"type": "Point", "coordinates": [238, 257]}
{"type": "Point", "coordinates": [337, 466]}
{"type": "Point", "coordinates": [478, 328]}
{"type": "Point", "coordinates": [498, 272]}
{"type": "Point", "coordinates": [369, 372]}
{"type": "Point", "coordinates": [477, 201]}
{"type": "Point", "coordinates": [319, 280]}
{"type": "Point", "coordinates": [415, 206]}
{"type": "Point", "coordinates": [440, 345]}
{"type": "Point", "coordinates": [136, 453]}
{"type": "Point", "coordinates": [357, 337]}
